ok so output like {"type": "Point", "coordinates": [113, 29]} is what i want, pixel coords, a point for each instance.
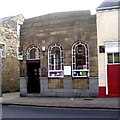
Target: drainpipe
{"type": "Point", "coordinates": [1, 73]}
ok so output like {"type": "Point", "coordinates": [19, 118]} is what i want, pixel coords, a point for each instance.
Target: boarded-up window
{"type": "Point", "coordinates": [56, 83]}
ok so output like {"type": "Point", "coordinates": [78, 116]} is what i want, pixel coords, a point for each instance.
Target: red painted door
{"type": "Point", "coordinates": [113, 74]}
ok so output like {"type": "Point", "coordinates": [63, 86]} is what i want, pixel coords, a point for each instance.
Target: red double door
{"type": "Point", "coordinates": [113, 74]}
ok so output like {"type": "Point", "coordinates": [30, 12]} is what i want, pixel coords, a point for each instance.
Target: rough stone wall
{"type": "Point", "coordinates": [10, 38]}
{"type": "Point", "coordinates": [63, 28]}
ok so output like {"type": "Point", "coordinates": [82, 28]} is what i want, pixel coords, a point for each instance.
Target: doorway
{"type": "Point", "coordinates": [113, 74]}
{"type": "Point", "coordinates": [33, 84]}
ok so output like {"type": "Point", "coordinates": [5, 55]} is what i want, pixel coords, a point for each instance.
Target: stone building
{"type": "Point", "coordinates": [108, 39]}
{"type": "Point", "coordinates": [9, 43]}
{"type": "Point", "coordinates": [58, 54]}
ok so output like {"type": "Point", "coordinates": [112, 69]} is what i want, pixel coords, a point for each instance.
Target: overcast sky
{"type": "Point", "coordinates": [33, 8]}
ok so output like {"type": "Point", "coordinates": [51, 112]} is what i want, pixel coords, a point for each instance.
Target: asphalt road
{"type": "Point", "coordinates": [40, 112]}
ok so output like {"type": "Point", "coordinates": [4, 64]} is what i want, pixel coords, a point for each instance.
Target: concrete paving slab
{"type": "Point", "coordinates": [101, 103]}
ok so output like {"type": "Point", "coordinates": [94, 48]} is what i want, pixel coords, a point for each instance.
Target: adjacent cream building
{"type": "Point", "coordinates": [108, 40]}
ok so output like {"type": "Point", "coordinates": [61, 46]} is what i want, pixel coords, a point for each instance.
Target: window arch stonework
{"type": "Point", "coordinates": [55, 61]}
{"type": "Point", "coordinates": [33, 52]}
{"type": "Point", "coordinates": [80, 60]}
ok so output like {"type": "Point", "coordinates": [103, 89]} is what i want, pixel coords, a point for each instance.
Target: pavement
{"type": "Point", "coordinates": [92, 103]}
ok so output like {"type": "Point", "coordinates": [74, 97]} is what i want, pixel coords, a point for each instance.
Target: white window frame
{"type": "Point", "coordinates": [18, 28]}
{"type": "Point", "coordinates": [37, 52]}
{"type": "Point", "coordinates": [84, 70]}
{"type": "Point", "coordinates": [55, 73]}
{"type": "Point", "coordinates": [113, 54]}
{"type": "Point", "coordinates": [2, 50]}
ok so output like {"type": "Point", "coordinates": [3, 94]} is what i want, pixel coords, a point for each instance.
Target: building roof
{"type": "Point", "coordinates": [109, 4]}
{"type": "Point", "coordinates": [20, 16]}
{"type": "Point", "coordinates": [5, 18]}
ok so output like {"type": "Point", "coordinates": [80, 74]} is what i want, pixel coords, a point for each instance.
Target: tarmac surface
{"type": "Point", "coordinates": [93, 103]}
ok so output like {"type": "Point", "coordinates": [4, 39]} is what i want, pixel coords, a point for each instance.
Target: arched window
{"type": "Point", "coordinates": [33, 52]}
{"type": "Point", "coordinates": [55, 61]}
{"type": "Point", "coordinates": [80, 63]}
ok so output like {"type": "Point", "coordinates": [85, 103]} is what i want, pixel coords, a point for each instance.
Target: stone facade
{"type": "Point", "coordinates": [9, 38]}
{"type": "Point", "coordinates": [65, 29]}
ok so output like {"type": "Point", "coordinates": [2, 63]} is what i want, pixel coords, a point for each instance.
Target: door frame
{"type": "Point", "coordinates": [110, 47]}
{"type": "Point", "coordinates": [33, 62]}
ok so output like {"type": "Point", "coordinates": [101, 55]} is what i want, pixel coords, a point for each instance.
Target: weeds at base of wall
{"type": "Point", "coordinates": [4, 90]}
